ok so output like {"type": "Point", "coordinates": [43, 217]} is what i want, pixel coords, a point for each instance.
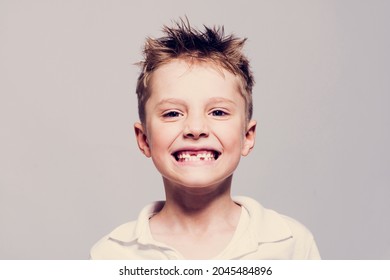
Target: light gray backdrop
{"type": "Point", "coordinates": [70, 170]}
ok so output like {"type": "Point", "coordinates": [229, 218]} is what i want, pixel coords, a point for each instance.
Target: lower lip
{"type": "Point", "coordinates": [196, 162]}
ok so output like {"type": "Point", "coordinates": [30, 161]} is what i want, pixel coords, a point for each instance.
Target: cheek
{"type": "Point", "coordinates": [232, 136]}
{"type": "Point", "coordinates": [161, 137]}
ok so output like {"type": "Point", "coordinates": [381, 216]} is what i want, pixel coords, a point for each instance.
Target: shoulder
{"type": "Point", "coordinates": [110, 245]}
{"type": "Point", "coordinates": [123, 242]}
{"type": "Point", "coordinates": [272, 224]}
{"type": "Point", "coordinates": [270, 227]}
{"type": "Point", "coordinates": [303, 240]}
{"type": "Point", "coordinates": [297, 229]}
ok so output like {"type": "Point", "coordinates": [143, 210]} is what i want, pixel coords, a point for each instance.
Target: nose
{"type": "Point", "coordinates": [196, 127]}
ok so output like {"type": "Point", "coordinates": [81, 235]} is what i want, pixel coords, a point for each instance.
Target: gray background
{"type": "Point", "coordinates": [70, 168]}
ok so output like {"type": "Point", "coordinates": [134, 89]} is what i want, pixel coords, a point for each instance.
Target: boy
{"type": "Point", "coordinates": [195, 109]}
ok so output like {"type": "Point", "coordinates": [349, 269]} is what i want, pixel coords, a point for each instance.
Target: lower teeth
{"type": "Point", "coordinates": [196, 158]}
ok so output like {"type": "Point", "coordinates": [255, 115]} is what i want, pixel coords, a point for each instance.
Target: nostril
{"type": "Point", "coordinates": [195, 135]}
{"type": "Point", "coordinates": [195, 129]}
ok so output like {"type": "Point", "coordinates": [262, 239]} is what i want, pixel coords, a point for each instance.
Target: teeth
{"type": "Point", "coordinates": [194, 156]}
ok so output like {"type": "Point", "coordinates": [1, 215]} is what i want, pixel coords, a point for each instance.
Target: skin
{"type": "Point", "coordinates": [191, 108]}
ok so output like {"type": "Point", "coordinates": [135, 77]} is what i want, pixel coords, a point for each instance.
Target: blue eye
{"type": "Point", "coordinates": [171, 114]}
{"type": "Point", "coordinates": [218, 113]}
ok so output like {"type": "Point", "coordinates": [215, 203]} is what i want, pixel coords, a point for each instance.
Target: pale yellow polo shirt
{"type": "Point", "coordinates": [261, 234]}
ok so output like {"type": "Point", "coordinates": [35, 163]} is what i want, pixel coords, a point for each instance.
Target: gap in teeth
{"type": "Point", "coordinates": [195, 156]}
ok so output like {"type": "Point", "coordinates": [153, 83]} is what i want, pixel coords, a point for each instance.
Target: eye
{"type": "Point", "coordinates": [171, 114]}
{"type": "Point", "coordinates": [218, 113]}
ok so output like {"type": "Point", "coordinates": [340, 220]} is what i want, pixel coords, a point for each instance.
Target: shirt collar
{"type": "Point", "coordinates": [265, 225]}
{"type": "Point", "coordinates": [128, 233]}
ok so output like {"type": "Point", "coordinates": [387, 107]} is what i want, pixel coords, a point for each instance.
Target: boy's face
{"type": "Point", "coordinates": [195, 129]}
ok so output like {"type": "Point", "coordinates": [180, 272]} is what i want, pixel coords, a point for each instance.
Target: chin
{"type": "Point", "coordinates": [196, 183]}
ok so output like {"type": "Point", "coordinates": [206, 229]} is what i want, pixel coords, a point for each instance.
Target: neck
{"type": "Point", "coordinates": [193, 209]}
{"type": "Point", "coordinates": [192, 200]}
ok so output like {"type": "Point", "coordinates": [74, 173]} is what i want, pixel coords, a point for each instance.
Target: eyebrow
{"type": "Point", "coordinates": [221, 100]}
{"type": "Point", "coordinates": [182, 102]}
{"type": "Point", "coordinates": [170, 101]}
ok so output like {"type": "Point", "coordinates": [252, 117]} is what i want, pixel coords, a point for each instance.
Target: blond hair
{"type": "Point", "coordinates": [184, 42]}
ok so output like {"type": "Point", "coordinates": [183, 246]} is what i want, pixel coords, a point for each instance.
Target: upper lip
{"type": "Point", "coordinates": [195, 149]}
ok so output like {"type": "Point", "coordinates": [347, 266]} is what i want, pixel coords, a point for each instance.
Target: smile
{"type": "Point", "coordinates": [201, 155]}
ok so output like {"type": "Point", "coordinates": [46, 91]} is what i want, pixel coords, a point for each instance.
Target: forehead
{"type": "Point", "coordinates": [193, 79]}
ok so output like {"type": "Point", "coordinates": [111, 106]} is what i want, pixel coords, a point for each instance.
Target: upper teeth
{"type": "Point", "coordinates": [187, 156]}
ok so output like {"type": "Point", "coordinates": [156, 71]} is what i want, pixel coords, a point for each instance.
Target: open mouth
{"type": "Point", "coordinates": [204, 155]}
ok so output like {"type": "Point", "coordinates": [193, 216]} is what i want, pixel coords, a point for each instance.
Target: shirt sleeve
{"type": "Point", "coordinates": [312, 252]}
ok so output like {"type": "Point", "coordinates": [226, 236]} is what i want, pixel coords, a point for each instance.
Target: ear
{"type": "Point", "coordinates": [142, 140]}
{"type": "Point", "coordinates": [249, 140]}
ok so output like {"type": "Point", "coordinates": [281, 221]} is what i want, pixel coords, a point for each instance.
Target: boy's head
{"type": "Point", "coordinates": [186, 43]}
{"type": "Point", "coordinates": [195, 106]}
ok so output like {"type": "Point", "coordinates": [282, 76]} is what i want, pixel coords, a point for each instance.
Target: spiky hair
{"type": "Point", "coordinates": [182, 41]}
